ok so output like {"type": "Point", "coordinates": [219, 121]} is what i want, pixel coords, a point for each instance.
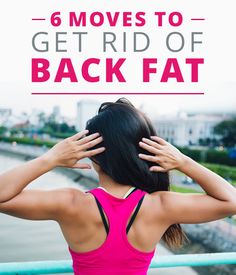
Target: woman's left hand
{"type": "Point", "coordinates": [69, 151]}
{"type": "Point", "coordinates": [165, 155]}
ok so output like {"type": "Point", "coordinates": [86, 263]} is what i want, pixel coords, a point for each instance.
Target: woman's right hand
{"type": "Point", "coordinates": [69, 151]}
{"type": "Point", "coordinates": [163, 153]}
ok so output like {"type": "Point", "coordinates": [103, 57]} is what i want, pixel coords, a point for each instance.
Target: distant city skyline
{"type": "Point", "coordinates": [181, 128]}
{"type": "Point", "coordinates": [151, 108]}
{"type": "Point", "coordinates": [222, 99]}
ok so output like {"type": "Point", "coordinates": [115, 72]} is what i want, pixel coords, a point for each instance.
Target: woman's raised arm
{"type": "Point", "coordinates": [219, 200]}
{"type": "Point", "coordinates": [65, 153]}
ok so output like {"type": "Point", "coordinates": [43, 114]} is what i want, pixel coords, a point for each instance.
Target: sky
{"type": "Point", "coordinates": [217, 77]}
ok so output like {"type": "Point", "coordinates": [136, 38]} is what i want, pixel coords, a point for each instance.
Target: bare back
{"type": "Point", "coordinates": [84, 230]}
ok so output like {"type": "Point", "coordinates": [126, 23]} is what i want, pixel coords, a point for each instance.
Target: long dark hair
{"type": "Point", "coordinates": [122, 126]}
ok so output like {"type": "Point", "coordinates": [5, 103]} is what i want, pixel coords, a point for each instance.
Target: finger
{"type": "Point", "coordinates": [91, 144]}
{"type": "Point", "coordinates": [149, 148]}
{"type": "Point", "coordinates": [157, 169]}
{"type": "Point", "coordinates": [79, 135]}
{"type": "Point", "coordinates": [81, 165]}
{"type": "Point", "coordinates": [151, 143]}
{"type": "Point", "coordinates": [148, 157]}
{"type": "Point", "coordinates": [87, 139]}
{"type": "Point", "coordinates": [160, 140]}
{"type": "Point", "coordinates": [94, 152]}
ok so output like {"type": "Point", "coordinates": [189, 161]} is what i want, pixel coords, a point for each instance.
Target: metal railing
{"type": "Point", "coordinates": [65, 266]}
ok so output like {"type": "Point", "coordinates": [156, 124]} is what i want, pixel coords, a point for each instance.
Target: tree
{"type": "Point", "coordinates": [55, 129]}
{"type": "Point", "coordinates": [3, 129]}
{"type": "Point", "coordinates": [42, 118]}
{"type": "Point", "coordinates": [227, 130]}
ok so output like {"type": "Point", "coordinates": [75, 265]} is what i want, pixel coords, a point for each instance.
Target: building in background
{"type": "Point", "coordinates": [188, 129]}
{"type": "Point", "coordinates": [35, 117]}
{"type": "Point", "coordinates": [86, 109]}
{"type": "Point", "coordinates": [8, 119]}
{"type": "Point", "coordinates": [56, 112]}
{"type": "Point", "coordinates": [5, 114]}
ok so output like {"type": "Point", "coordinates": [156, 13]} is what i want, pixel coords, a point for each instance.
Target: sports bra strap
{"type": "Point", "coordinates": [131, 220]}
{"type": "Point", "coordinates": [102, 215]}
{"type": "Point", "coordinates": [134, 215]}
{"type": "Point", "coordinates": [126, 195]}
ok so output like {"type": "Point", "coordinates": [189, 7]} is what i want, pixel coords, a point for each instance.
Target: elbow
{"type": "Point", "coordinates": [4, 197]}
{"type": "Point", "coordinates": [9, 194]}
{"type": "Point", "coordinates": [3, 200]}
{"type": "Point", "coordinates": [232, 207]}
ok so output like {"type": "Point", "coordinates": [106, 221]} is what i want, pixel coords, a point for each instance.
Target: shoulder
{"type": "Point", "coordinates": [162, 202]}
{"type": "Point", "coordinates": [70, 199]}
{"type": "Point", "coordinates": [67, 194]}
{"type": "Point", "coordinates": [152, 205]}
{"type": "Point", "coordinates": [165, 199]}
{"type": "Point", "coordinates": [77, 205]}
{"type": "Point", "coordinates": [38, 204]}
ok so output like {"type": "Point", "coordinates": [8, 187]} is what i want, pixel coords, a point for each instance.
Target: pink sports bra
{"type": "Point", "coordinates": [116, 256]}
